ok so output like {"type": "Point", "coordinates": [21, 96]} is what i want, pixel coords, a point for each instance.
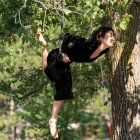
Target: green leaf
{"type": "Point", "coordinates": [67, 11]}
{"type": "Point", "coordinates": [124, 21]}
{"type": "Point", "coordinates": [123, 25]}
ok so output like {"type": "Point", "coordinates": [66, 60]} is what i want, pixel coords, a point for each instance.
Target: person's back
{"type": "Point", "coordinates": [77, 48]}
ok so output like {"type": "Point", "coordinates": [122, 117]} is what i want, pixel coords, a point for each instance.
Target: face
{"type": "Point", "coordinates": [109, 39]}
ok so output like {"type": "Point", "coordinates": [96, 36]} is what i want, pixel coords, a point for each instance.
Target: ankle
{"type": "Point", "coordinates": [44, 43]}
{"type": "Point", "coordinates": [53, 119]}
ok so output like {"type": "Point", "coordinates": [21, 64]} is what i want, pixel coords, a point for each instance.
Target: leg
{"type": "Point", "coordinates": [56, 109]}
{"type": "Point", "coordinates": [63, 86]}
{"type": "Point", "coordinates": [44, 58]}
{"type": "Point", "coordinates": [56, 104]}
{"type": "Point", "coordinates": [44, 50]}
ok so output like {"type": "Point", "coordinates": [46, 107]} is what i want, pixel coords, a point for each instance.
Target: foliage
{"type": "Point", "coordinates": [34, 93]}
{"type": "Point", "coordinates": [20, 72]}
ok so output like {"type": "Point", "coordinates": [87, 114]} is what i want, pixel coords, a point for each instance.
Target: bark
{"type": "Point", "coordinates": [125, 81]}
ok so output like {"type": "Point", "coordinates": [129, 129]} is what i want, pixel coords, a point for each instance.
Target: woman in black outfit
{"type": "Point", "coordinates": [56, 64]}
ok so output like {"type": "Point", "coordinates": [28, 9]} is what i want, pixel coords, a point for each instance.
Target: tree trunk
{"type": "Point", "coordinates": [125, 81]}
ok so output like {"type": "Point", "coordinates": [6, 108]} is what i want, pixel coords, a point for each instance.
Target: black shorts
{"type": "Point", "coordinates": [59, 73]}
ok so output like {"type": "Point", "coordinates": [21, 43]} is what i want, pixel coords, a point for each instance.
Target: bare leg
{"type": "Point", "coordinates": [44, 58]}
{"type": "Point", "coordinates": [56, 109]}
{"type": "Point", "coordinates": [56, 104]}
{"type": "Point", "coordinates": [44, 50]}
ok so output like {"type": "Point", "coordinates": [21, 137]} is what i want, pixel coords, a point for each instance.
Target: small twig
{"type": "Point", "coordinates": [18, 13]}
{"type": "Point", "coordinates": [50, 7]}
{"type": "Point", "coordinates": [41, 4]}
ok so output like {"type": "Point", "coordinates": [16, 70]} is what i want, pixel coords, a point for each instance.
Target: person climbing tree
{"type": "Point", "coordinates": [56, 64]}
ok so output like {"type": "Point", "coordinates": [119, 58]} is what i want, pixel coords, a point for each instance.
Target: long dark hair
{"type": "Point", "coordinates": [97, 34]}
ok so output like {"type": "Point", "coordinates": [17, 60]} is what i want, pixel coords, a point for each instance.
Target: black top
{"type": "Point", "coordinates": [79, 49]}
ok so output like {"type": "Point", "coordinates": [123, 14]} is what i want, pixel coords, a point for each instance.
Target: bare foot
{"type": "Point", "coordinates": [53, 128]}
{"type": "Point", "coordinates": [40, 38]}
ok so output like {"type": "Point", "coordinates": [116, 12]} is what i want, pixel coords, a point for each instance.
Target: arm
{"type": "Point", "coordinates": [98, 53]}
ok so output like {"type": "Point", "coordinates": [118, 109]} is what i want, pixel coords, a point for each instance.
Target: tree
{"type": "Point", "coordinates": [21, 74]}
{"type": "Point", "coordinates": [124, 60]}
{"type": "Point", "coordinates": [19, 19]}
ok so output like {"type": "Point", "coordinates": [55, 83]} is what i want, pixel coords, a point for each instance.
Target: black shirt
{"type": "Point", "coordinates": [79, 49]}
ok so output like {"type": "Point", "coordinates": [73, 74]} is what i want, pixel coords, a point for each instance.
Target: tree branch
{"type": "Point", "coordinates": [18, 14]}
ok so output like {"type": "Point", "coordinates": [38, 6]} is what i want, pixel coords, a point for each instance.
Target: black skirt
{"type": "Point", "coordinates": [59, 73]}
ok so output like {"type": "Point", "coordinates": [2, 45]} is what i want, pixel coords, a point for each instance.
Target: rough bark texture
{"type": "Point", "coordinates": [125, 81]}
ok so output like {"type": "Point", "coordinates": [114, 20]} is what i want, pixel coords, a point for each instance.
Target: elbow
{"type": "Point", "coordinates": [91, 57]}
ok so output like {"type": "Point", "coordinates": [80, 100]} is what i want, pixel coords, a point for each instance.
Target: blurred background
{"type": "Point", "coordinates": [26, 96]}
